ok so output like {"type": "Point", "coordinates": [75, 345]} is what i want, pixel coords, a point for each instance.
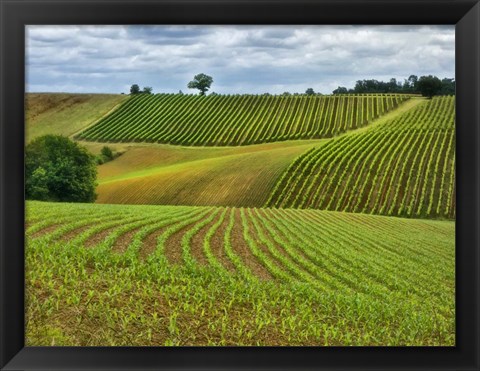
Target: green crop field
{"type": "Point", "coordinates": [285, 185]}
{"type": "Point", "coordinates": [173, 275]}
{"type": "Point", "coordinates": [402, 167]}
{"type": "Point", "coordinates": [231, 120]}
{"type": "Point", "coordinates": [244, 220]}
{"type": "Point", "coordinates": [174, 175]}
{"type": "Point", "coordinates": [65, 114]}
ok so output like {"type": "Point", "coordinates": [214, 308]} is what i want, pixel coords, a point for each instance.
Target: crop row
{"type": "Point", "coordinates": [179, 275]}
{"type": "Point", "coordinates": [404, 167]}
{"type": "Point", "coordinates": [224, 120]}
{"type": "Point", "coordinates": [330, 251]}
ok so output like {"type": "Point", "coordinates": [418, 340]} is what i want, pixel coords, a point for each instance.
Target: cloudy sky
{"type": "Point", "coordinates": [241, 59]}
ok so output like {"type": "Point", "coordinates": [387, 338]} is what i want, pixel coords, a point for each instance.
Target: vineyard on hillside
{"type": "Point", "coordinates": [165, 275]}
{"type": "Point", "coordinates": [230, 120]}
{"type": "Point", "coordinates": [405, 167]}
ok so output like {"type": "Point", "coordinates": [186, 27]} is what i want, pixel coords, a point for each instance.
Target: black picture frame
{"type": "Point", "coordinates": [465, 14]}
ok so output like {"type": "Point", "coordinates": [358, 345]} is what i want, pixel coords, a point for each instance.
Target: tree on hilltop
{"type": "Point", "coordinates": [134, 89]}
{"type": "Point", "coordinates": [310, 91]}
{"type": "Point", "coordinates": [412, 83]}
{"type": "Point", "coordinates": [429, 85]}
{"type": "Point", "coordinates": [340, 90]}
{"type": "Point", "coordinates": [201, 82]}
{"type": "Point", "coordinates": [448, 87]}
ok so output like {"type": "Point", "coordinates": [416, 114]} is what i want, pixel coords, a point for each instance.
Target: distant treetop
{"type": "Point", "coordinates": [201, 82]}
{"type": "Point", "coordinates": [135, 89]}
{"type": "Point", "coordinates": [428, 86]}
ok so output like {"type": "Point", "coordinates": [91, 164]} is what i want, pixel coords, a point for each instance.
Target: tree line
{"type": "Point", "coordinates": [428, 86]}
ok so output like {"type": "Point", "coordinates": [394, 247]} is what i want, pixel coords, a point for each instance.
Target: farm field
{"type": "Point", "coordinates": [185, 243]}
{"type": "Point", "coordinates": [403, 167]}
{"type": "Point", "coordinates": [174, 175]}
{"type": "Point", "coordinates": [65, 114]}
{"type": "Point", "coordinates": [184, 275]}
{"type": "Point", "coordinates": [232, 120]}
{"type": "Point", "coordinates": [240, 185]}
{"type": "Point", "coordinates": [233, 176]}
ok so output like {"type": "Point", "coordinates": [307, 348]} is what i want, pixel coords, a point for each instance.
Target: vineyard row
{"type": "Point", "coordinates": [228, 120]}
{"type": "Point", "coordinates": [347, 253]}
{"type": "Point", "coordinates": [405, 167]}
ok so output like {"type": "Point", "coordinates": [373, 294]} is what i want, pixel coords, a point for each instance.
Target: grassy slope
{"type": "Point", "coordinates": [166, 275]}
{"type": "Point", "coordinates": [221, 176]}
{"type": "Point", "coordinates": [399, 290]}
{"type": "Point", "coordinates": [163, 174]}
{"type": "Point", "coordinates": [65, 114]}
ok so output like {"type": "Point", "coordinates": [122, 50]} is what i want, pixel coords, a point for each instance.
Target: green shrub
{"type": "Point", "coordinates": [58, 169]}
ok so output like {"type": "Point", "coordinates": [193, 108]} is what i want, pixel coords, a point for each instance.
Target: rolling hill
{"type": "Point", "coordinates": [218, 176]}
{"type": "Point", "coordinates": [232, 120]}
{"type": "Point", "coordinates": [403, 167]}
{"type": "Point", "coordinates": [174, 175]}
{"type": "Point", "coordinates": [251, 256]}
{"type": "Point", "coordinates": [65, 114]}
{"type": "Point", "coordinates": [286, 173]}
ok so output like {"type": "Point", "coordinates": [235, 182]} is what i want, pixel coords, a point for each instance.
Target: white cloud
{"type": "Point", "coordinates": [241, 59]}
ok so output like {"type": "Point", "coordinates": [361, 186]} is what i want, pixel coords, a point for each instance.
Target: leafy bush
{"type": "Point", "coordinates": [58, 169]}
{"type": "Point", "coordinates": [107, 152]}
{"type": "Point", "coordinates": [106, 155]}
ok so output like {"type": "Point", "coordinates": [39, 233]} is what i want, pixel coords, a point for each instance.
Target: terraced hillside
{"type": "Point", "coordinates": [231, 120]}
{"type": "Point", "coordinates": [65, 114]}
{"type": "Point", "coordinates": [164, 275]}
{"type": "Point", "coordinates": [404, 167]}
{"type": "Point", "coordinates": [175, 175]}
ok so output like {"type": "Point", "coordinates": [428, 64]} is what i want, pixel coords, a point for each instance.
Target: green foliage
{"type": "Point", "coordinates": [147, 90]}
{"type": "Point", "coordinates": [201, 82]}
{"type": "Point", "coordinates": [37, 185]}
{"type": "Point", "coordinates": [107, 152]}
{"type": "Point", "coordinates": [228, 120]}
{"type": "Point", "coordinates": [411, 84]}
{"type": "Point", "coordinates": [310, 91]}
{"type": "Point", "coordinates": [448, 87]}
{"type": "Point", "coordinates": [229, 276]}
{"type": "Point", "coordinates": [340, 90]}
{"type": "Point", "coordinates": [134, 89]}
{"type": "Point", "coordinates": [58, 169]}
{"type": "Point", "coordinates": [106, 155]}
{"type": "Point", "coordinates": [429, 86]}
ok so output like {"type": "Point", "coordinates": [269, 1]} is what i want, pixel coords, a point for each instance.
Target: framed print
{"type": "Point", "coordinates": [240, 185]}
